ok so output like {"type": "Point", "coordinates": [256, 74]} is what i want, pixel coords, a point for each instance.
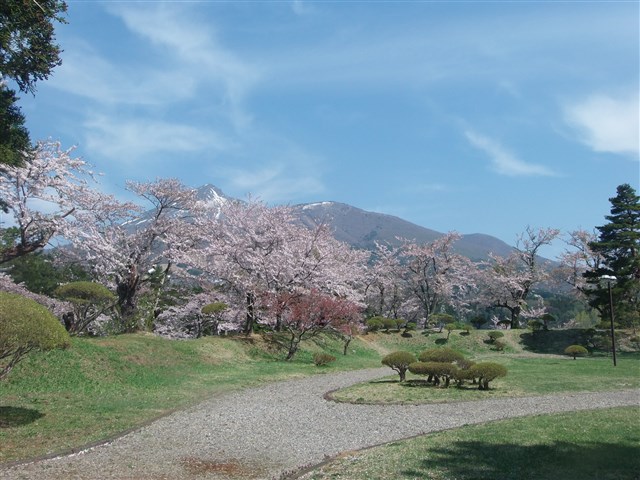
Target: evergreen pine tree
{"type": "Point", "coordinates": [619, 245]}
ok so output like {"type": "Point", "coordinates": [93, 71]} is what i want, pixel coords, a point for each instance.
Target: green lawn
{"type": "Point", "coordinates": [594, 445]}
{"type": "Point", "coordinates": [537, 375]}
{"type": "Point", "coordinates": [99, 387]}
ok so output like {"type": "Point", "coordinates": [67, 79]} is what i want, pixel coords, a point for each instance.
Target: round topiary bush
{"type": "Point", "coordinates": [576, 351]}
{"type": "Point", "coordinates": [443, 355]}
{"type": "Point", "coordinates": [399, 361]}
{"type": "Point", "coordinates": [486, 372]}
{"type": "Point", "coordinates": [321, 359]}
{"type": "Point", "coordinates": [25, 325]}
{"type": "Point", "coordinates": [435, 371]}
{"type": "Point", "coordinates": [494, 335]}
{"type": "Point", "coordinates": [374, 324]}
{"type": "Point", "coordinates": [89, 300]}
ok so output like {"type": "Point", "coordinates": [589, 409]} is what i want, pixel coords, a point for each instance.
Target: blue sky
{"type": "Point", "coordinates": [469, 116]}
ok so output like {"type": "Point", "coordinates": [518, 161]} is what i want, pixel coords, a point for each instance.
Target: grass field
{"type": "Point", "coordinates": [101, 387]}
{"type": "Point", "coordinates": [595, 445]}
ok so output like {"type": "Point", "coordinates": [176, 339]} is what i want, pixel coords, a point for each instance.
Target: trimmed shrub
{"type": "Point", "coordinates": [390, 324]}
{"type": "Point", "coordinates": [576, 351]}
{"type": "Point", "coordinates": [442, 355]}
{"type": "Point", "coordinates": [485, 372]}
{"type": "Point", "coordinates": [89, 300]}
{"type": "Point", "coordinates": [25, 325]}
{"type": "Point", "coordinates": [436, 371]}
{"type": "Point", "coordinates": [374, 324]}
{"type": "Point", "coordinates": [399, 361]}
{"type": "Point", "coordinates": [323, 359]}
{"type": "Point", "coordinates": [494, 335]}
{"type": "Point", "coordinates": [440, 320]}
{"type": "Point", "coordinates": [499, 345]}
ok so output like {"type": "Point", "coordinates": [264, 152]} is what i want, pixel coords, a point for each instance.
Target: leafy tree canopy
{"type": "Point", "coordinates": [619, 245]}
{"type": "Point", "coordinates": [28, 51]}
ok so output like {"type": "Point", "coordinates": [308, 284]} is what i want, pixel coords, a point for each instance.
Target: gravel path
{"type": "Point", "coordinates": [260, 433]}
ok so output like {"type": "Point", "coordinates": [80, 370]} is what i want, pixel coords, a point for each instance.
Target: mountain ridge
{"type": "Point", "coordinates": [362, 229]}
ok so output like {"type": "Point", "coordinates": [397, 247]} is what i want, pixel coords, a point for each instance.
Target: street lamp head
{"type": "Point", "coordinates": [611, 278]}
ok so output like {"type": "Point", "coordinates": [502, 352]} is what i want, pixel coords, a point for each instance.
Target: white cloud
{"type": "Point", "coordinates": [128, 140]}
{"type": "Point", "coordinates": [606, 123]}
{"type": "Point", "coordinates": [503, 161]}
{"type": "Point", "coordinates": [194, 50]}
{"type": "Point", "coordinates": [86, 73]}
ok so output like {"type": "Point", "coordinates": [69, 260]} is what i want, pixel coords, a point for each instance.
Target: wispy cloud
{"type": "Point", "coordinates": [194, 48]}
{"type": "Point", "coordinates": [134, 140]}
{"type": "Point", "coordinates": [503, 161]}
{"type": "Point", "coordinates": [607, 123]}
{"type": "Point", "coordinates": [285, 172]}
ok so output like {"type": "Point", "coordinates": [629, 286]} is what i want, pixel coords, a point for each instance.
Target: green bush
{"type": "Point", "coordinates": [442, 355]}
{"type": "Point", "coordinates": [440, 320]}
{"type": "Point", "coordinates": [499, 345]}
{"type": "Point", "coordinates": [399, 361]}
{"type": "Point", "coordinates": [436, 371]}
{"type": "Point", "coordinates": [89, 300]}
{"type": "Point", "coordinates": [576, 351]}
{"type": "Point", "coordinates": [485, 372]}
{"type": "Point", "coordinates": [494, 335]}
{"type": "Point", "coordinates": [323, 359]}
{"type": "Point", "coordinates": [390, 324]}
{"type": "Point", "coordinates": [374, 324]}
{"type": "Point", "coordinates": [25, 325]}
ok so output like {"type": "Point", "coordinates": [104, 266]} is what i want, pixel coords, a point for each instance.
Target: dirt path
{"type": "Point", "coordinates": [263, 432]}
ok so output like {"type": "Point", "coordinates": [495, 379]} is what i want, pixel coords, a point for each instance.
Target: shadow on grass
{"type": "Point", "coordinates": [551, 341]}
{"type": "Point", "coordinates": [441, 341]}
{"type": "Point", "coordinates": [16, 416]}
{"type": "Point", "coordinates": [466, 460]}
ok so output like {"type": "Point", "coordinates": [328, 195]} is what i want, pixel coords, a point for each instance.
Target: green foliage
{"type": "Point", "coordinates": [322, 358]}
{"type": "Point", "coordinates": [390, 323]}
{"type": "Point", "coordinates": [42, 273]}
{"type": "Point", "coordinates": [399, 361]}
{"type": "Point", "coordinates": [441, 319]}
{"type": "Point", "coordinates": [486, 372]}
{"type": "Point", "coordinates": [14, 137]}
{"type": "Point", "coordinates": [214, 308]}
{"type": "Point", "coordinates": [374, 324]}
{"type": "Point", "coordinates": [435, 370]}
{"type": "Point", "coordinates": [28, 52]}
{"type": "Point", "coordinates": [494, 335]}
{"type": "Point", "coordinates": [499, 345]}
{"type": "Point", "coordinates": [84, 293]}
{"type": "Point", "coordinates": [576, 351]}
{"type": "Point", "coordinates": [619, 246]}
{"type": "Point", "coordinates": [25, 325]}
{"type": "Point", "coordinates": [443, 355]}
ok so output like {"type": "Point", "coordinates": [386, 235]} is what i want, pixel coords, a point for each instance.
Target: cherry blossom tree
{"type": "Point", "coordinates": [385, 290]}
{"type": "Point", "coordinates": [128, 246]}
{"type": "Point", "coordinates": [507, 281]}
{"type": "Point", "coordinates": [45, 197]}
{"type": "Point", "coordinates": [262, 253]}
{"type": "Point", "coordinates": [306, 315]}
{"type": "Point", "coordinates": [435, 275]}
{"type": "Point", "coordinates": [578, 259]}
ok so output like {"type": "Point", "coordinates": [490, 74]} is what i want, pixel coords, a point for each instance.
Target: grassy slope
{"type": "Point", "coordinates": [63, 399]}
{"type": "Point", "coordinates": [99, 387]}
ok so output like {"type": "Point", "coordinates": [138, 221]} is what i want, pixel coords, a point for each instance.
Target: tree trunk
{"type": "Point", "coordinates": [251, 319]}
{"type": "Point", "coordinates": [346, 345]}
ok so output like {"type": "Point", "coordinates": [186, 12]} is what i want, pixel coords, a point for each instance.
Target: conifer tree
{"type": "Point", "coordinates": [619, 246]}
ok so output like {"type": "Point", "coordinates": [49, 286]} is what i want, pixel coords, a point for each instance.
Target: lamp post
{"type": "Point", "coordinates": [609, 279]}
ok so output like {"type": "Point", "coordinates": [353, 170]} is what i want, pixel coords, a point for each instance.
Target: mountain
{"type": "Point", "coordinates": [362, 229]}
